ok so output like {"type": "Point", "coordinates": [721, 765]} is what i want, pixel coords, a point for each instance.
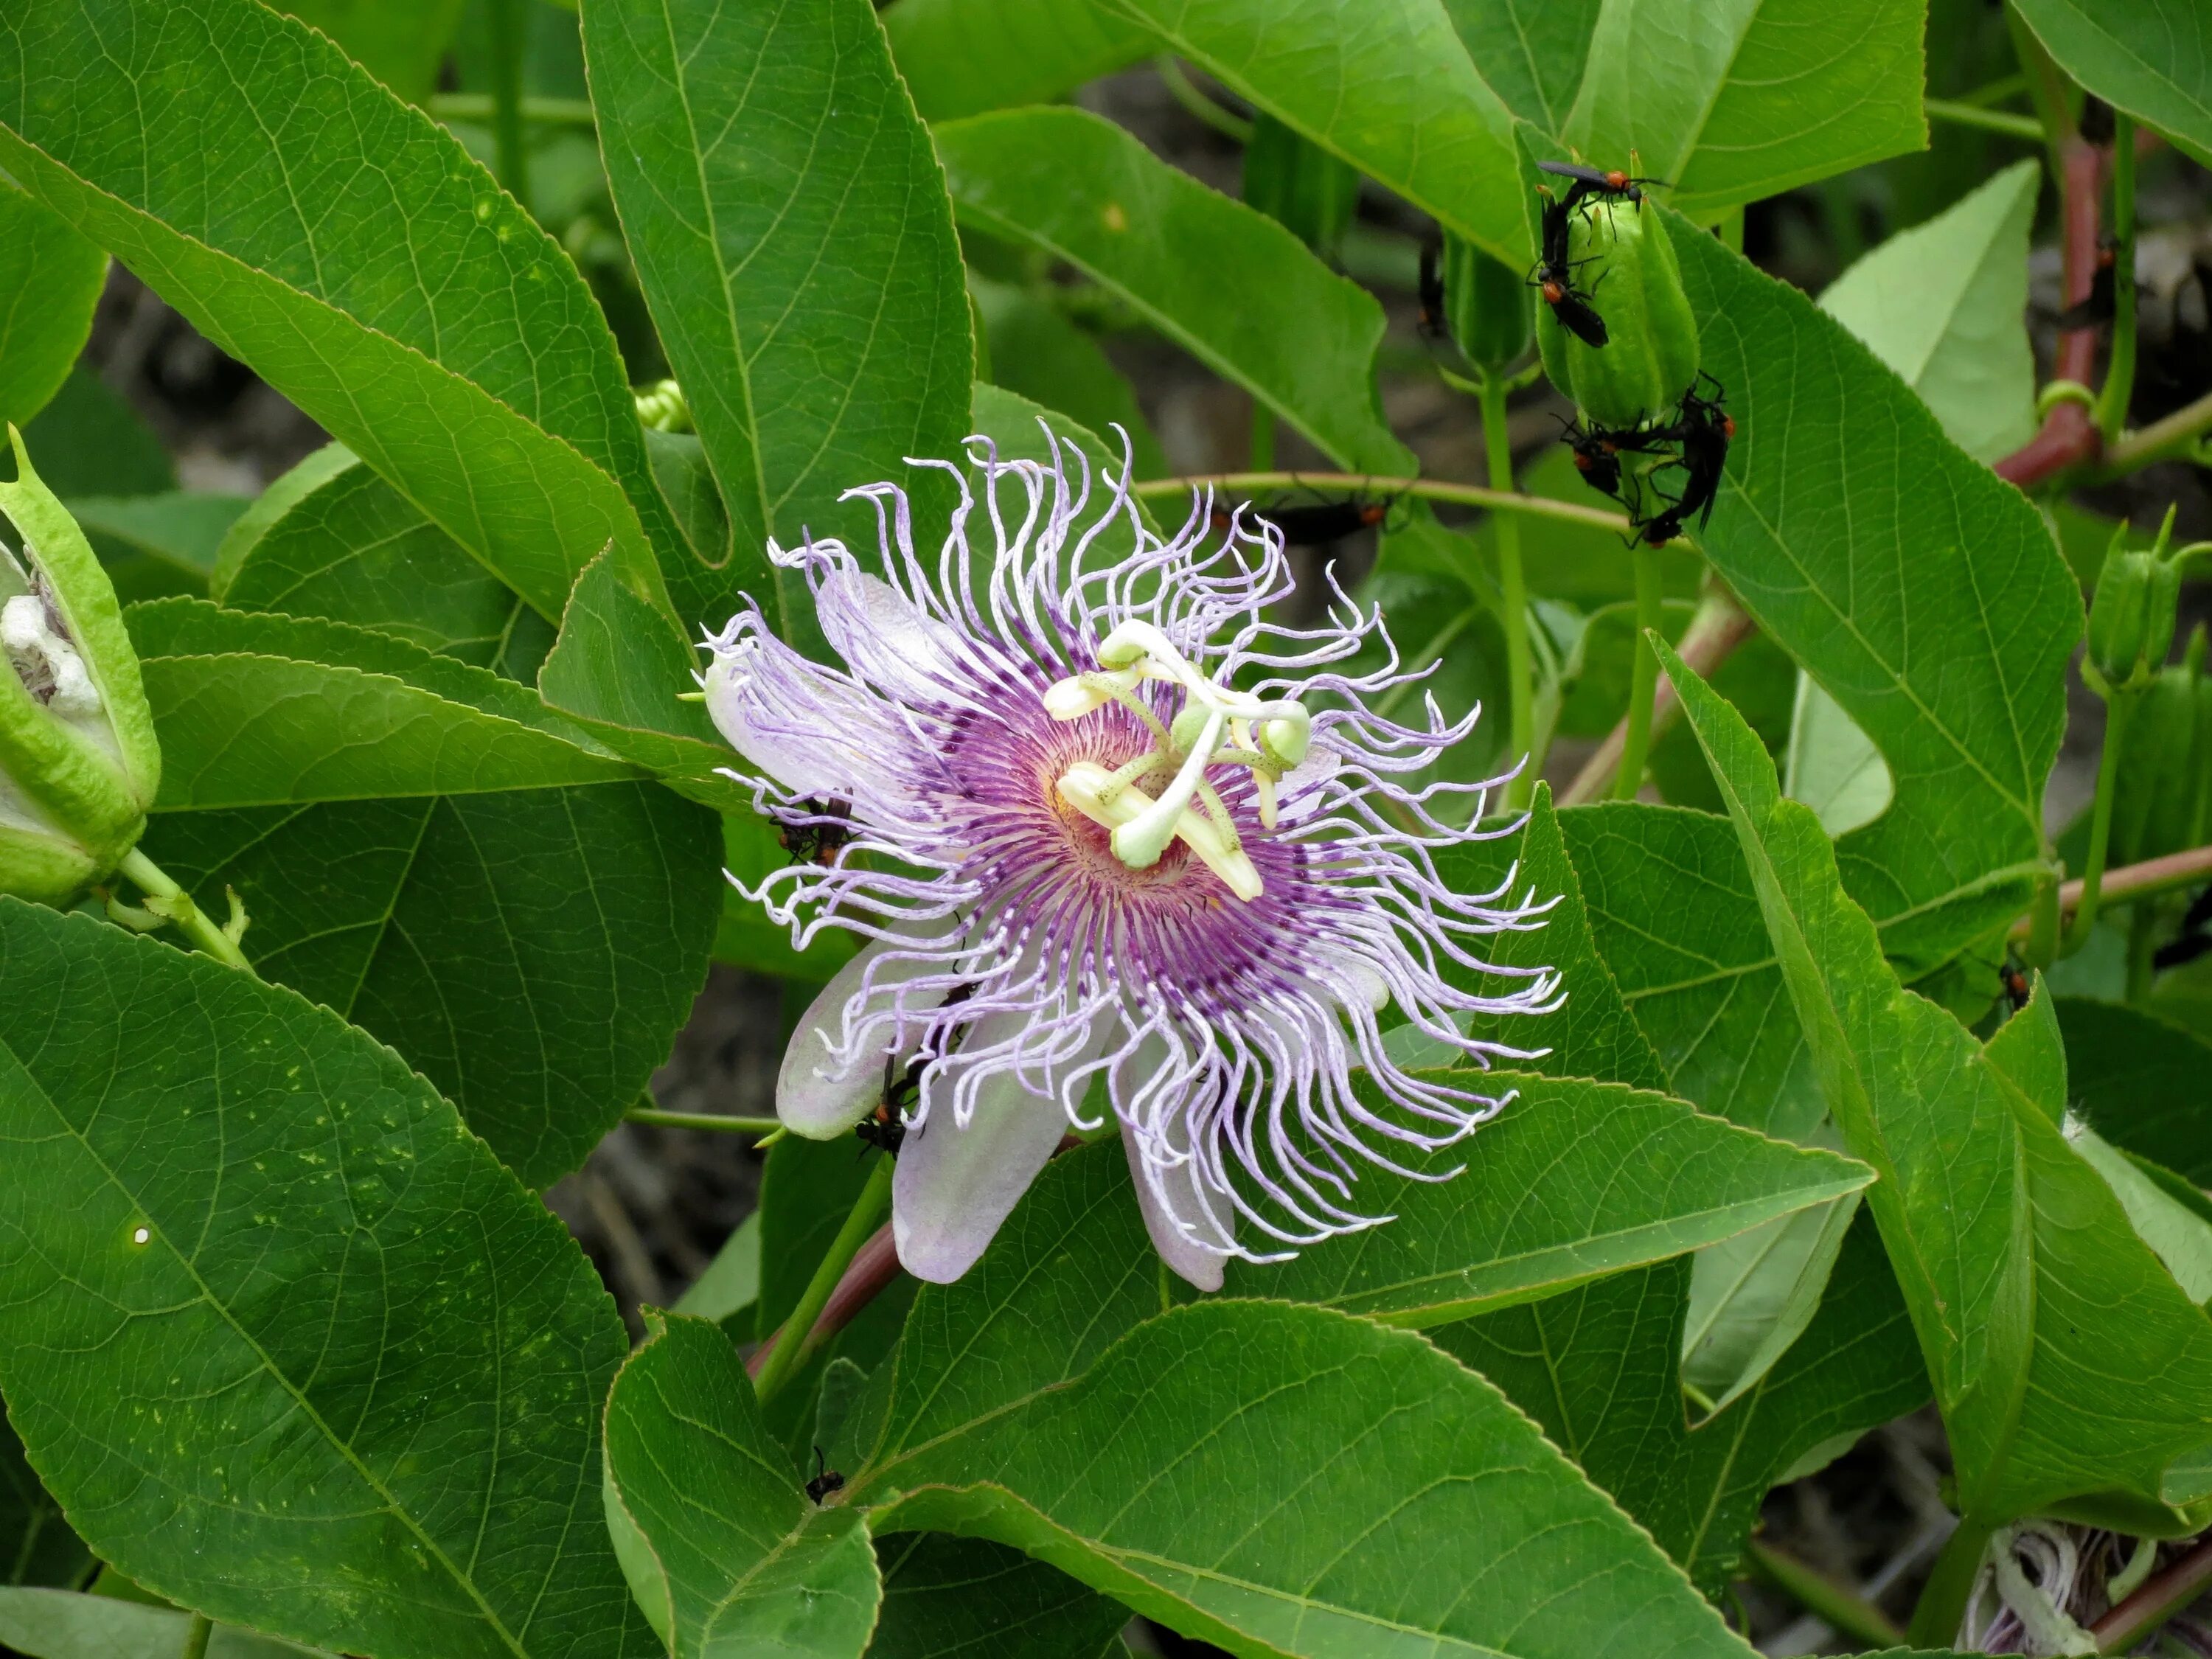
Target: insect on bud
{"type": "Point", "coordinates": [1486, 305]}
{"type": "Point", "coordinates": [2132, 618]}
{"type": "Point", "coordinates": [1620, 257]}
{"type": "Point", "coordinates": [79, 762]}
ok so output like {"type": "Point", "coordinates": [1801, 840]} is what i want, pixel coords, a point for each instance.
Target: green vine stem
{"type": "Point", "coordinates": [196, 1637]}
{"type": "Point", "coordinates": [1959, 114]}
{"type": "Point", "coordinates": [1262, 451]}
{"type": "Point", "coordinates": [1187, 93]}
{"type": "Point", "coordinates": [1850, 1613]}
{"type": "Point", "coordinates": [1513, 603]}
{"type": "Point", "coordinates": [1942, 1604]}
{"type": "Point", "coordinates": [173, 903]}
{"type": "Point", "coordinates": [509, 34]}
{"type": "Point", "coordinates": [1644, 680]}
{"type": "Point", "coordinates": [1716, 627]}
{"type": "Point", "coordinates": [1430, 490]}
{"type": "Point", "coordinates": [788, 1344]}
{"type": "Point", "coordinates": [2174, 434]}
{"type": "Point", "coordinates": [480, 110]}
{"type": "Point", "coordinates": [2117, 713]}
{"type": "Point", "coordinates": [737, 1125]}
{"type": "Point", "coordinates": [2120, 365]}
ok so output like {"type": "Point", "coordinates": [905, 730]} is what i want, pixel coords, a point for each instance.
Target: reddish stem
{"type": "Point", "coordinates": [2156, 1599]}
{"type": "Point", "coordinates": [874, 1264]}
{"type": "Point", "coordinates": [2068, 436]}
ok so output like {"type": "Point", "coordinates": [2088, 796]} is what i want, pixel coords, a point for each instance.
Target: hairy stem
{"type": "Point", "coordinates": [1513, 605]}
{"type": "Point", "coordinates": [174, 904]}
{"type": "Point", "coordinates": [1850, 1613]}
{"type": "Point", "coordinates": [788, 1344]}
{"type": "Point", "coordinates": [2117, 714]}
{"type": "Point", "coordinates": [1643, 675]}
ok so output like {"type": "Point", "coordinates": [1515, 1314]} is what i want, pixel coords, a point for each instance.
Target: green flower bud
{"type": "Point", "coordinates": [1486, 305]}
{"type": "Point", "coordinates": [79, 762]}
{"type": "Point", "coordinates": [662, 407]}
{"type": "Point", "coordinates": [2132, 616]}
{"type": "Point", "coordinates": [1625, 264]}
{"type": "Point", "coordinates": [2162, 802]}
{"type": "Point", "coordinates": [1299, 184]}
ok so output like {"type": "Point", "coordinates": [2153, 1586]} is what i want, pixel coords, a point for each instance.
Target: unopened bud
{"type": "Point", "coordinates": [1300, 185]}
{"type": "Point", "coordinates": [2131, 618]}
{"type": "Point", "coordinates": [1623, 265]}
{"type": "Point", "coordinates": [79, 762]}
{"type": "Point", "coordinates": [1486, 305]}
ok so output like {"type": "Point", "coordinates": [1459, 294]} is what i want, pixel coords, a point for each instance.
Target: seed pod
{"type": "Point", "coordinates": [79, 762]}
{"type": "Point", "coordinates": [1486, 305]}
{"type": "Point", "coordinates": [1622, 261]}
{"type": "Point", "coordinates": [1299, 184]}
{"type": "Point", "coordinates": [2131, 618]}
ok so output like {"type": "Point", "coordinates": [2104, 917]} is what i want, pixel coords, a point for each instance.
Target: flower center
{"type": "Point", "coordinates": [1155, 798]}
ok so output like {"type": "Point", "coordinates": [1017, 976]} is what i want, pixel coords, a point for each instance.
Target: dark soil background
{"type": "Point", "coordinates": [653, 1206]}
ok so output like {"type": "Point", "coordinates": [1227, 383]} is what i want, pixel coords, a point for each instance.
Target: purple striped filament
{"type": "Point", "coordinates": [1211, 980]}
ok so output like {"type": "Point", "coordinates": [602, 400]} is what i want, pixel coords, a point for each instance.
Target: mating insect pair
{"type": "Point", "coordinates": [1554, 276]}
{"type": "Point", "coordinates": [1318, 525]}
{"type": "Point", "coordinates": [1698, 438]}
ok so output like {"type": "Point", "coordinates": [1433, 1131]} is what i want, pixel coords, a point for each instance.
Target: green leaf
{"type": "Point", "coordinates": [374, 1361]}
{"type": "Point", "coordinates": [2177, 1234]}
{"type": "Point", "coordinates": [965, 1598]}
{"type": "Point", "coordinates": [2150, 57]}
{"type": "Point", "coordinates": [734, 1558]}
{"type": "Point", "coordinates": [401, 42]}
{"type": "Point", "coordinates": [351, 254]}
{"type": "Point", "coordinates": [1945, 303]}
{"type": "Point", "coordinates": [1392, 92]}
{"type": "Point", "coordinates": [351, 548]}
{"type": "Point", "coordinates": [744, 937]}
{"type": "Point", "coordinates": [789, 226]}
{"type": "Point", "coordinates": [269, 710]}
{"type": "Point", "coordinates": [1832, 766]}
{"type": "Point", "coordinates": [51, 277]}
{"type": "Point", "coordinates": [1596, 1369]}
{"type": "Point", "coordinates": [730, 1283]}
{"type": "Point", "coordinates": [36, 1545]}
{"type": "Point", "coordinates": [964, 56]}
{"type": "Point", "coordinates": [1532, 52]}
{"type": "Point", "coordinates": [1920, 589]}
{"type": "Point", "coordinates": [1572, 1180]}
{"type": "Point", "coordinates": [1730, 103]}
{"type": "Point", "coordinates": [88, 442]}
{"type": "Point", "coordinates": [54, 1624]}
{"type": "Point", "coordinates": [2145, 1083]}
{"type": "Point", "coordinates": [1286, 1480]}
{"type": "Point", "coordinates": [155, 547]}
{"type": "Point", "coordinates": [1226, 283]}
{"type": "Point", "coordinates": [2029, 1291]}
{"type": "Point", "coordinates": [1036, 352]}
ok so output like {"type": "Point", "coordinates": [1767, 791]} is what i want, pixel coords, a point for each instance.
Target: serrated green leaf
{"type": "Point", "coordinates": [1940, 619]}
{"type": "Point", "coordinates": [1572, 1180]}
{"type": "Point", "coordinates": [286, 1341]}
{"type": "Point", "coordinates": [1286, 1480]}
{"type": "Point", "coordinates": [2032, 1296]}
{"type": "Point", "coordinates": [36, 1545]}
{"type": "Point", "coordinates": [354, 256]}
{"type": "Point", "coordinates": [2150, 57]}
{"type": "Point", "coordinates": [1595, 1368]}
{"type": "Point", "coordinates": [1945, 304]}
{"type": "Point", "coordinates": [351, 548]}
{"type": "Point", "coordinates": [51, 277]}
{"type": "Point", "coordinates": [1531, 53]}
{"type": "Point", "coordinates": [1728, 103]}
{"type": "Point", "coordinates": [744, 1562]}
{"type": "Point", "coordinates": [1386, 87]}
{"type": "Point", "coordinates": [1226, 283]}
{"type": "Point", "coordinates": [789, 227]}
{"type": "Point", "coordinates": [964, 56]}
{"type": "Point", "coordinates": [2145, 1083]}
{"type": "Point", "coordinates": [966, 1598]}
{"type": "Point", "coordinates": [90, 442]}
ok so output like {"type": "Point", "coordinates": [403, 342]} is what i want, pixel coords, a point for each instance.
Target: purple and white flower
{"type": "Point", "coordinates": [1116, 843]}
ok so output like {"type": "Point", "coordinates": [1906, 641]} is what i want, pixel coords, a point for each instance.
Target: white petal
{"type": "Point", "coordinates": [886, 641]}
{"type": "Point", "coordinates": [1300, 789]}
{"type": "Point", "coordinates": [815, 1095]}
{"type": "Point", "coordinates": [813, 734]}
{"type": "Point", "coordinates": [956, 1186]}
{"type": "Point", "coordinates": [1171, 1197]}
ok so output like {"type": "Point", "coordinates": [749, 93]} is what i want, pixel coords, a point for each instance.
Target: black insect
{"type": "Point", "coordinates": [1702, 432]}
{"type": "Point", "coordinates": [2017, 987]}
{"type": "Point", "coordinates": [1611, 184]}
{"type": "Point", "coordinates": [818, 842]}
{"type": "Point", "coordinates": [1319, 524]}
{"type": "Point", "coordinates": [826, 1479]}
{"type": "Point", "coordinates": [884, 1129]}
{"type": "Point", "coordinates": [1659, 529]}
{"type": "Point", "coordinates": [1554, 277]}
{"type": "Point", "coordinates": [1596, 457]}
{"type": "Point", "coordinates": [2194, 939]}
{"type": "Point", "coordinates": [2101, 304]}
{"type": "Point", "coordinates": [1432, 291]}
